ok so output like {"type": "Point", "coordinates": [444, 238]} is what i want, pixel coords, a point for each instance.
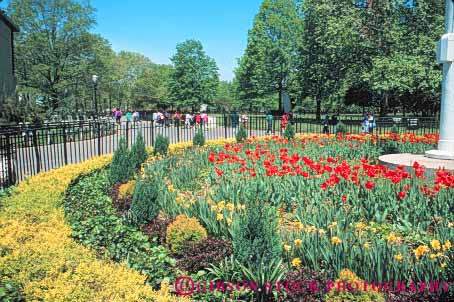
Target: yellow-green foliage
{"type": "Point", "coordinates": [126, 189]}
{"type": "Point", "coordinates": [38, 254]}
{"type": "Point", "coordinates": [184, 230]}
{"type": "Point", "coordinates": [361, 294]}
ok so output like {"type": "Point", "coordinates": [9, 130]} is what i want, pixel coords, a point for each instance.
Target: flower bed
{"type": "Point", "coordinates": [284, 210]}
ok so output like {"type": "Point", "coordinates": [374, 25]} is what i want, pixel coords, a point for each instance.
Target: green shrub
{"type": "Point", "coordinates": [139, 152]}
{"type": "Point", "coordinates": [161, 145]}
{"type": "Point", "coordinates": [341, 128]}
{"type": "Point", "coordinates": [94, 223]}
{"type": "Point", "coordinates": [122, 167]}
{"type": "Point", "coordinates": [289, 132]}
{"type": "Point", "coordinates": [184, 230]}
{"type": "Point", "coordinates": [255, 240]}
{"type": "Point", "coordinates": [241, 135]}
{"type": "Point", "coordinates": [394, 129]}
{"type": "Point", "coordinates": [199, 138]}
{"type": "Point", "coordinates": [145, 206]}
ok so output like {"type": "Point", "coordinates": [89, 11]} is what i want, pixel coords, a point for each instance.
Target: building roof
{"type": "Point", "coordinates": [8, 22]}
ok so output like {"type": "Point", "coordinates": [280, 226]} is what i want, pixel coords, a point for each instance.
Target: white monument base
{"type": "Point", "coordinates": [439, 154]}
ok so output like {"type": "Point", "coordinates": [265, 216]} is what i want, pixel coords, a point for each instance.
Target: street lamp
{"type": "Point", "coordinates": [94, 78]}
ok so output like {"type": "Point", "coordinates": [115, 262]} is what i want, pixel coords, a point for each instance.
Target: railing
{"type": "Point", "coordinates": [28, 150]}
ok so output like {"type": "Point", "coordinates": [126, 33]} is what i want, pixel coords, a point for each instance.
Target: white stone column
{"type": "Point", "coordinates": [445, 55]}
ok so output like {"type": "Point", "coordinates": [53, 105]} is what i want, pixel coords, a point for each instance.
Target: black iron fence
{"type": "Point", "coordinates": [29, 149]}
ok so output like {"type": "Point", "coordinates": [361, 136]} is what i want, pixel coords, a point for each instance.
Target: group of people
{"type": "Point", "coordinates": [189, 120]}
{"type": "Point", "coordinates": [129, 116]}
{"type": "Point", "coordinates": [368, 123]}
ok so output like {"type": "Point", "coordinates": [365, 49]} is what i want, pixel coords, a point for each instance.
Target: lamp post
{"type": "Point", "coordinates": [445, 55]}
{"type": "Point", "coordinates": [94, 78]}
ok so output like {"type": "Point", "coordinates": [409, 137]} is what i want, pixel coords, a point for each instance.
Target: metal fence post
{"type": "Point", "coordinates": [65, 149]}
{"type": "Point", "coordinates": [98, 126]}
{"type": "Point", "coordinates": [225, 125]}
{"type": "Point", "coordinates": [36, 147]}
{"type": "Point", "coordinates": [127, 134]}
{"type": "Point", "coordinates": [9, 158]}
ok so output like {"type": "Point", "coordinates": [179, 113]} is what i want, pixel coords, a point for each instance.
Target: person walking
{"type": "Point", "coordinates": [188, 120]}
{"type": "Point", "coordinates": [235, 119]}
{"type": "Point", "coordinates": [284, 122]}
{"type": "Point", "coordinates": [372, 124]}
{"type": "Point", "coordinates": [205, 120]}
{"type": "Point", "coordinates": [365, 124]}
{"type": "Point", "coordinates": [118, 115]}
{"type": "Point", "coordinates": [198, 120]}
{"type": "Point", "coordinates": [176, 119]}
{"type": "Point", "coordinates": [269, 122]}
{"type": "Point", "coordinates": [244, 119]}
{"type": "Point", "coordinates": [334, 122]}
{"type": "Point", "coordinates": [128, 116]}
{"type": "Point", "coordinates": [135, 116]}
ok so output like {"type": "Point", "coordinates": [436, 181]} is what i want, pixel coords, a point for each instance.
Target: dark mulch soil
{"type": "Point", "coordinates": [156, 229]}
{"type": "Point", "coordinates": [121, 205]}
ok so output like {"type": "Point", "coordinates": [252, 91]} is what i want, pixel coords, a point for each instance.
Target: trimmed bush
{"type": "Point", "coordinates": [199, 138]}
{"type": "Point", "coordinates": [122, 167]}
{"type": "Point", "coordinates": [341, 128]}
{"type": "Point", "coordinates": [184, 230]}
{"type": "Point", "coordinates": [351, 294]}
{"type": "Point", "coordinates": [139, 152]}
{"type": "Point", "coordinates": [145, 205]}
{"type": "Point", "coordinates": [289, 132]}
{"type": "Point", "coordinates": [47, 264]}
{"type": "Point", "coordinates": [161, 146]}
{"type": "Point", "coordinates": [125, 190]}
{"type": "Point", "coordinates": [255, 240]}
{"type": "Point", "coordinates": [199, 256]}
{"type": "Point", "coordinates": [241, 135]}
{"type": "Point", "coordinates": [95, 224]}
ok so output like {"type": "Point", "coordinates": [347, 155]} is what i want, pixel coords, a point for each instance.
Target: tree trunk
{"type": "Point", "coordinates": [318, 112]}
{"type": "Point", "coordinates": [281, 109]}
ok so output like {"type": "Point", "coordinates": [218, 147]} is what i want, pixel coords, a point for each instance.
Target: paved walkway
{"type": "Point", "coordinates": [56, 155]}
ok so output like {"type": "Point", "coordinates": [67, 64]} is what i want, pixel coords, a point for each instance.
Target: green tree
{"type": "Point", "coordinates": [194, 78]}
{"type": "Point", "coordinates": [269, 62]}
{"type": "Point", "coordinates": [53, 40]}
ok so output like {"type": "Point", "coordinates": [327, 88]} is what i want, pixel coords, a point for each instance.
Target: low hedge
{"type": "Point", "coordinates": [39, 257]}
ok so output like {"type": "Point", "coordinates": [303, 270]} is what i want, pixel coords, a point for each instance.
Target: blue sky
{"type": "Point", "coordinates": [154, 27]}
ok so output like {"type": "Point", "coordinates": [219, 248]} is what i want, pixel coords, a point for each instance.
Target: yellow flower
{"type": "Point", "coordinates": [432, 256]}
{"type": "Point", "coordinates": [241, 206]}
{"type": "Point", "coordinates": [298, 242]}
{"type": "Point", "coordinates": [230, 206]}
{"type": "Point", "coordinates": [296, 262]}
{"type": "Point", "coordinates": [399, 257]}
{"type": "Point", "coordinates": [219, 216]}
{"type": "Point", "coordinates": [299, 226]}
{"type": "Point", "coordinates": [209, 201]}
{"type": "Point", "coordinates": [447, 245]}
{"type": "Point", "coordinates": [421, 251]}
{"type": "Point", "coordinates": [332, 225]}
{"type": "Point", "coordinates": [366, 245]}
{"type": "Point", "coordinates": [450, 225]}
{"type": "Point", "coordinates": [336, 240]}
{"type": "Point", "coordinates": [435, 244]}
{"type": "Point", "coordinates": [221, 205]}
{"type": "Point", "coordinates": [443, 265]}
{"type": "Point", "coordinates": [192, 200]}
{"type": "Point", "coordinates": [392, 237]}
{"type": "Point", "coordinates": [229, 221]}
{"type": "Point", "coordinates": [373, 230]}
{"type": "Point", "coordinates": [287, 247]}
{"type": "Point", "coordinates": [214, 208]}
{"type": "Point", "coordinates": [171, 188]}
{"type": "Point", "coordinates": [186, 205]}
{"type": "Point", "coordinates": [360, 225]}
{"type": "Point", "coordinates": [321, 232]}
